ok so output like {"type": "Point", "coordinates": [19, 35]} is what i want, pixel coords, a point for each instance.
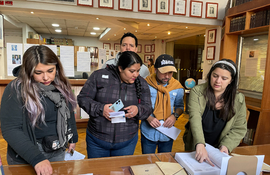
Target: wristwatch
{"type": "Point", "coordinates": [176, 115]}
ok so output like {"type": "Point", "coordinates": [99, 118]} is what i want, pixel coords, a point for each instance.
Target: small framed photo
{"type": "Point", "coordinates": [147, 48]}
{"type": "Point", "coordinates": [126, 5]}
{"type": "Point", "coordinates": [116, 46]}
{"type": "Point", "coordinates": [139, 48]}
{"type": "Point", "coordinates": [85, 3]}
{"type": "Point", "coordinates": [107, 46]}
{"type": "Point", "coordinates": [146, 57]}
{"type": "Point", "coordinates": [105, 4]}
{"type": "Point", "coordinates": [211, 38]}
{"type": "Point", "coordinates": [162, 6]}
{"type": "Point", "coordinates": [179, 7]}
{"type": "Point", "coordinates": [210, 53]}
{"type": "Point", "coordinates": [196, 9]}
{"type": "Point", "coordinates": [145, 5]}
{"type": "Point", "coordinates": [153, 48]}
{"type": "Point", "coordinates": [211, 10]}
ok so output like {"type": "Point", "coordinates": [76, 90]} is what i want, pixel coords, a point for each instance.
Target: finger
{"type": "Point", "coordinates": [209, 161]}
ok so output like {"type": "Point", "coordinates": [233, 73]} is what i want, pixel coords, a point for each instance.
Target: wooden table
{"type": "Point", "coordinates": [118, 165]}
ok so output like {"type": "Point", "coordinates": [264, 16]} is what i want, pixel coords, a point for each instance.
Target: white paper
{"type": "Point", "coordinates": [84, 114]}
{"type": "Point", "coordinates": [83, 62]}
{"type": "Point", "coordinates": [76, 156]}
{"type": "Point", "coordinates": [117, 117]}
{"type": "Point", "coordinates": [27, 46]}
{"type": "Point", "coordinates": [102, 57]}
{"type": "Point", "coordinates": [14, 56]}
{"type": "Point", "coordinates": [67, 59]}
{"type": "Point", "coordinates": [172, 132]}
{"type": "Point", "coordinates": [53, 48]}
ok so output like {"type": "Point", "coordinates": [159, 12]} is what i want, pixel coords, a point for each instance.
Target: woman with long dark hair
{"type": "Point", "coordinates": [37, 118]}
{"type": "Point", "coordinates": [217, 112]}
{"type": "Point", "coordinates": [101, 90]}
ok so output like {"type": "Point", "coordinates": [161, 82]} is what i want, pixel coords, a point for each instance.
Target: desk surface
{"type": "Point", "coordinates": [118, 165]}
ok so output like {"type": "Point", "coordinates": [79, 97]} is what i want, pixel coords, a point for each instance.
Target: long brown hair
{"type": "Point", "coordinates": [28, 87]}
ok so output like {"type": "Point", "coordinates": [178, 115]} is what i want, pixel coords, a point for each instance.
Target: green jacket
{"type": "Point", "coordinates": [233, 132]}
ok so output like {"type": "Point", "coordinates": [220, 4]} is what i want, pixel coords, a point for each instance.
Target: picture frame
{"type": "Point", "coordinates": [153, 57]}
{"type": "Point", "coordinates": [210, 53]}
{"type": "Point", "coordinates": [196, 9]}
{"type": "Point", "coordinates": [116, 46]}
{"type": "Point", "coordinates": [88, 3]}
{"type": "Point", "coordinates": [125, 5]}
{"type": "Point", "coordinates": [146, 57]}
{"type": "Point", "coordinates": [105, 4]}
{"type": "Point", "coordinates": [145, 5]}
{"type": "Point", "coordinates": [139, 48]}
{"type": "Point", "coordinates": [179, 7]}
{"type": "Point", "coordinates": [211, 10]}
{"type": "Point", "coordinates": [162, 6]}
{"type": "Point", "coordinates": [147, 48]}
{"type": "Point", "coordinates": [211, 37]}
{"type": "Point", "coordinates": [153, 48]}
{"type": "Point", "coordinates": [107, 46]}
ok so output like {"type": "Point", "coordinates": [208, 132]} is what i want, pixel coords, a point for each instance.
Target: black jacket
{"type": "Point", "coordinates": [104, 87]}
{"type": "Point", "coordinates": [17, 131]}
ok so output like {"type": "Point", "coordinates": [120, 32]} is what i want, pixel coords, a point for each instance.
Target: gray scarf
{"type": "Point", "coordinates": [63, 114]}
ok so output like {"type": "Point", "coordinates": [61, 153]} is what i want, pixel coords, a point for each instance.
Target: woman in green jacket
{"type": "Point", "coordinates": [217, 112]}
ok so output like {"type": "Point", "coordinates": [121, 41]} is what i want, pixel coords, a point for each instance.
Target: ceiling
{"type": "Point", "coordinates": [76, 24]}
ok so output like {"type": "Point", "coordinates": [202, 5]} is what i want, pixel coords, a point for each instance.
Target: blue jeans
{"type": "Point", "coordinates": [149, 146]}
{"type": "Point", "coordinates": [98, 148]}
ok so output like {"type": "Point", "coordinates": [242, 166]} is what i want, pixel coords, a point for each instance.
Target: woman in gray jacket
{"type": "Point", "coordinates": [37, 118]}
{"type": "Point", "coordinates": [217, 112]}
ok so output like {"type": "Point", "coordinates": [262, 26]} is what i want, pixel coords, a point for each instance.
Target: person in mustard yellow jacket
{"type": "Point", "coordinates": [217, 112]}
{"type": "Point", "coordinates": [151, 67]}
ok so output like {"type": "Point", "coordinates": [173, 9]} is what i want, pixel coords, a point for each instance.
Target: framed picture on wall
{"type": "Point", "coordinates": [162, 6]}
{"type": "Point", "coordinates": [153, 48]}
{"type": "Point", "coordinates": [139, 48]}
{"type": "Point", "coordinates": [211, 10]}
{"type": "Point", "coordinates": [125, 5]}
{"type": "Point", "coordinates": [147, 48]}
{"type": "Point", "coordinates": [196, 9]}
{"type": "Point", "coordinates": [153, 57]}
{"type": "Point", "coordinates": [179, 7]}
{"type": "Point", "coordinates": [146, 57]}
{"type": "Point", "coordinates": [85, 3]}
{"type": "Point", "coordinates": [105, 4]}
{"type": "Point", "coordinates": [210, 53]}
{"type": "Point", "coordinates": [211, 38]}
{"type": "Point", "coordinates": [107, 46]}
{"type": "Point", "coordinates": [116, 46]}
{"type": "Point", "coordinates": [145, 5]}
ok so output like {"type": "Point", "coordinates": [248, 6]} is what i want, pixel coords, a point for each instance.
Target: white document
{"type": "Point", "coordinates": [117, 117]}
{"type": "Point", "coordinates": [188, 161]}
{"type": "Point", "coordinates": [67, 59]}
{"type": "Point", "coordinates": [27, 46]}
{"type": "Point", "coordinates": [53, 48]}
{"type": "Point", "coordinates": [76, 156]}
{"type": "Point", "coordinates": [172, 132]}
{"type": "Point", "coordinates": [102, 58]}
{"type": "Point", "coordinates": [83, 62]}
{"type": "Point", "coordinates": [14, 57]}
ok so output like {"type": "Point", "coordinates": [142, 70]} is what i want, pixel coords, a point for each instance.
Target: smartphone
{"type": "Point", "coordinates": [117, 105]}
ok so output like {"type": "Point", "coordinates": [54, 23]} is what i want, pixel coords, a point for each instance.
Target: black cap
{"type": "Point", "coordinates": [165, 63]}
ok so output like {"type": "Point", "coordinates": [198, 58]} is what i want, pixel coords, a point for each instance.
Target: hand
{"type": "Point", "coordinates": [44, 168]}
{"type": "Point", "coordinates": [224, 149]}
{"type": "Point", "coordinates": [132, 111]}
{"type": "Point", "coordinates": [71, 146]}
{"type": "Point", "coordinates": [106, 111]}
{"type": "Point", "coordinates": [201, 154]}
{"type": "Point", "coordinates": [153, 122]}
{"type": "Point", "coordinates": [170, 121]}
